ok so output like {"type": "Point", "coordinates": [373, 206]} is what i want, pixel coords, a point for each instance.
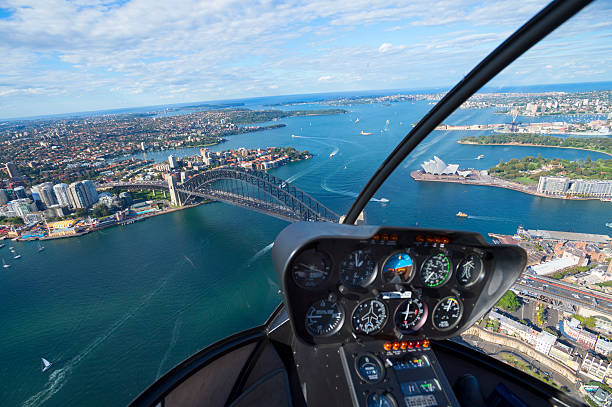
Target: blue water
{"type": "Point", "coordinates": [115, 309]}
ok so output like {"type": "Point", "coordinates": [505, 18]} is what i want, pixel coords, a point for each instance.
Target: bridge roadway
{"type": "Point", "coordinates": [565, 293]}
{"type": "Point", "coordinates": [285, 201]}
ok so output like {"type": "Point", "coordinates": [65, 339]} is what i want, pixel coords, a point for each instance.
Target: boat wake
{"type": "Point", "coordinates": [173, 340]}
{"type": "Point", "coordinates": [259, 254]}
{"type": "Point", "coordinates": [490, 218]}
{"type": "Point", "coordinates": [59, 377]}
{"type": "Point", "coordinates": [325, 187]}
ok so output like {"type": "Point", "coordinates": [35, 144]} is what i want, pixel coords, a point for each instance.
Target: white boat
{"type": "Point", "coordinates": [609, 224]}
{"type": "Point", "coordinates": [17, 256]}
{"type": "Point", "coordinates": [4, 265]}
{"type": "Point", "coordinates": [357, 120]}
{"type": "Point", "coordinates": [480, 157]}
{"type": "Point", "coordinates": [40, 247]}
{"type": "Point", "coordinates": [46, 364]}
{"type": "Point", "coordinates": [2, 245]}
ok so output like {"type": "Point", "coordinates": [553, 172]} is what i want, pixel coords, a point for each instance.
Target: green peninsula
{"type": "Point", "coordinates": [597, 144]}
{"type": "Point", "coordinates": [528, 170]}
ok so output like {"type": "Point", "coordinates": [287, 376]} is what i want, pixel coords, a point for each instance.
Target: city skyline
{"type": "Point", "coordinates": [65, 57]}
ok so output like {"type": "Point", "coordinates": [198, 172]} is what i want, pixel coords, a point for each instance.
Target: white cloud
{"type": "Point", "coordinates": [145, 50]}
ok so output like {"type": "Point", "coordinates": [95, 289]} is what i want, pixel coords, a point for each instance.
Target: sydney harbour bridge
{"type": "Point", "coordinates": [251, 189]}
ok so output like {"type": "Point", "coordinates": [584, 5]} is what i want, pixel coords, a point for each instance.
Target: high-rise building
{"type": "Point", "coordinates": [205, 156]}
{"type": "Point", "coordinates": [20, 192]}
{"type": "Point", "coordinates": [3, 197]}
{"type": "Point", "coordinates": [35, 194]}
{"type": "Point", "coordinates": [78, 195]}
{"type": "Point", "coordinates": [46, 193]}
{"type": "Point", "coordinates": [11, 169]}
{"type": "Point", "coordinates": [172, 161]}
{"type": "Point", "coordinates": [92, 193]}
{"type": "Point", "coordinates": [61, 193]}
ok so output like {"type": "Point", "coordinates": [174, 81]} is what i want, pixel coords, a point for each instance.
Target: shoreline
{"type": "Point", "coordinates": [494, 182]}
{"type": "Point", "coordinates": [516, 144]}
{"type": "Point", "coordinates": [122, 223]}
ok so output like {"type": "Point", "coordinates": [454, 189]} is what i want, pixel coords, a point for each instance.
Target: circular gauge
{"type": "Point", "coordinates": [358, 269]}
{"type": "Point", "coordinates": [324, 318]}
{"type": "Point", "coordinates": [447, 313]}
{"type": "Point", "coordinates": [410, 316]}
{"type": "Point", "coordinates": [469, 270]}
{"type": "Point", "coordinates": [398, 268]}
{"type": "Point", "coordinates": [311, 268]}
{"type": "Point", "coordinates": [369, 368]}
{"type": "Point", "coordinates": [436, 270]}
{"type": "Point", "coordinates": [380, 400]}
{"type": "Point", "coordinates": [369, 317]}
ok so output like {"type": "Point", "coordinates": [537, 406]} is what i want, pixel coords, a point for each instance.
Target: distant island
{"type": "Point", "coordinates": [596, 144]}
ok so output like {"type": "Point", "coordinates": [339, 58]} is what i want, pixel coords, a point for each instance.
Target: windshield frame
{"type": "Point", "coordinates": [532, 32]}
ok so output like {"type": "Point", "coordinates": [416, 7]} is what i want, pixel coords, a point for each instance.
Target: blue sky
{"type": "Point", "coordinates": [66, 56]}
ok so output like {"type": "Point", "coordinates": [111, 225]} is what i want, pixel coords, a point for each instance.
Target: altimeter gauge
{"type": "Point", "coordinates": [358, 269]}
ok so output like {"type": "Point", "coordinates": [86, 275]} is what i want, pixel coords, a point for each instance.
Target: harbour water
{"type": "Point", "coordinates": [115, 309]}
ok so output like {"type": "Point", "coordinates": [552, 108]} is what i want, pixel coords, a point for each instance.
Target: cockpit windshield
{"type": "Point", "coordinates": [111, 296]}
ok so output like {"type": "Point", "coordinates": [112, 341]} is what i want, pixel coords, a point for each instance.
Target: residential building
{"type": "Point", "coordinates": [78, 195]}
{"type": "Point", "coordinates": [11, 170]}
{"type": "Point", "coordinates": [573, 330]}
{"type": "Point", "coordinates": [92, 193]}
{"type": "Point", "coordinates": [61, 194]}
{"type": "Point", "coordinates": [595, 366]}
{"type": "Point", "coordinates": [173, 162]}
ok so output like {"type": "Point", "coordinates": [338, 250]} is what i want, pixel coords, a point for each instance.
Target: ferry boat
{"type": "Point", "coordinates": [605, 199]}
{"type": "Point", "coordinates": [462, 214]}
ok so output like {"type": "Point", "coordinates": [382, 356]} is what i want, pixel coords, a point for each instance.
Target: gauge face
{"type": "Point", "coordinates": [447, 313]}
{"type": "Point", "coordinates": [369, 368]}
{"type": "Point", "coordinates": [358, 269]}
{"type": "Point", "coordinates": [311, 268]}
{"type": "Point", "coordinates": [469, 271]}
{"type": "Point", "coordinates": [398, 268]}
{"type": "Point", "coordinates": [369, 317]}
{"type": "Point", "coordinates": [436, 270]}
{"type": "Point", "coordinates": [324, 318]}
{"type": "Point", "coordinates": [380, 400]}
{"type": "Point", "coordinates": [410, 316]}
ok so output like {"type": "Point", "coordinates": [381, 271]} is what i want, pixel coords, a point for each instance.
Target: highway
{"type": "Point", "coordinates": [566, 293]}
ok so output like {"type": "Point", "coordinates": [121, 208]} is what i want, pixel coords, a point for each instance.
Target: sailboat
{"type": "Point", "coordinates": [46, 364]}
{"type": "Point", "coordinates": [4, 265]}
{"type": "Point", "coordinates": [40, 247]}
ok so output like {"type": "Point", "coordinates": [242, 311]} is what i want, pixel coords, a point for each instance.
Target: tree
{"type": "Point", "coordinates": [509, 301]}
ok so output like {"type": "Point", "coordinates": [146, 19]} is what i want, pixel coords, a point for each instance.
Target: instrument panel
{"type": "Point", "coordinates": [351, 283]}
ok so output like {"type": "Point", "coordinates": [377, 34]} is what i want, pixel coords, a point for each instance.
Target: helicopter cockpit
{"type": "Point", "coordinates": [371, 314]}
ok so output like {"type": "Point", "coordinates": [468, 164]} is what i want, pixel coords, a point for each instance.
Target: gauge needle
{"type": "Point", "coordinates": [310, 267]}
{"type": "Point", "coordinates": [407, 312]}
{"type": "Point", "coordinates": [429, 276]}
{"type": "Point", "coordinates": [448, 305]}
{"type": "Point", "coordinates": [357, 262]}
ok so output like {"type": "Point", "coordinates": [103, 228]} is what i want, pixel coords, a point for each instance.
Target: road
{"type": "Point", "coordinates": [564, 292]}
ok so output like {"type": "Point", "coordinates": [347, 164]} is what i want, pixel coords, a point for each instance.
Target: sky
{"type": "Point", "coordinates": [67, 56]}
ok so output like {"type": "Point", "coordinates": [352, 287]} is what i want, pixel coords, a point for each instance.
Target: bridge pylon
{"type": "Point", "coordinates": [176, 198]}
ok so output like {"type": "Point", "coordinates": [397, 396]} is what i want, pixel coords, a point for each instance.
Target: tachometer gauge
{"type": "Point", "coordinates": [324, 318]}
{"type": "Point", "coordinates": [311, 268]}
{"type": "Point", "coordinates": [380, 400]}
{"type": "Point", "coordinates": [447, 314]}
{"type": "Point", "coordinates": [410, 316]}
{"type": "Point", "coordinates": [469, 270]}
{"type": "Point", "coordinates": [398, 268]}
{"type": "Point", "coordinates": [358, 269]}
{"type": "Point", "coordinates": [369, 317]}
{"type": "Point", "coordinates": [436, 270]}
